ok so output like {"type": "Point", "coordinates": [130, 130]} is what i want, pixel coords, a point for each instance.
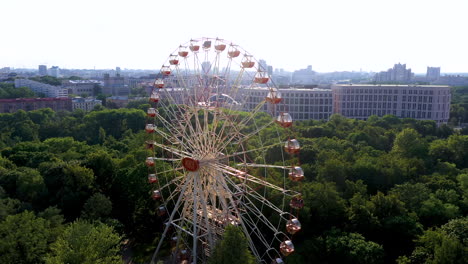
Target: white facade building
{"type": "Point", "coordinates": [54, 71]}
{"type": "Point", "coordinates": [300, 103]}
{"type": "Point", "coordinates": [426, 102]}
{"type": "Point", "coordinates": [38, 87]}
{"type": "Point", "coordinates": [86, 104]}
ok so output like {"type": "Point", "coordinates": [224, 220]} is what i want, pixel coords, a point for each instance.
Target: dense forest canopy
{"type": "Point", "coordinates": [384, 190]}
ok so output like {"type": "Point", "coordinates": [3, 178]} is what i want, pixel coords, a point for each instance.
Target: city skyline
{"type": "Point", "coordinates": [331, 36]}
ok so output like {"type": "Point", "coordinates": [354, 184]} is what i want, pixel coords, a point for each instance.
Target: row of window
{"type": "Point", "coordinates": [417, 98]}
{"type": "Point", "coordinates": [286, 95]}
{"type": "Point", "coordinates": [368, 112]}
{"type": "Point", "coordinates": [372, 91]}
{"type": "Point", "coordinates": [393, 91]}
{"type": "Point", "coordinates": [414, 114]}
{"type": "Point", "coordinates": [306, 116]}
{"type": "Point", "coordinates": [307, 101]}
{"type": "Point", "coordinates": [418, 106]}
{"type": "Point", "coordinates": [369, 98]}
{"type": "Point", "coordinates": [297, 101]}
{"type": "Point", "coordinates": [368, 105]}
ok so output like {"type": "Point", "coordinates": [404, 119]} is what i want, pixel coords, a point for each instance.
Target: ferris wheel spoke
{"type": "Point", "coordinates": [244, 138]}
{"type": "Point", "coordinates": [184, 187]}
{"type": "Point", "coordinates": [228, 139]}
{"type": "Point", "coordinates": [254, 231]}
{"type": "Point", "coordinates": [240, 153]}
{"type": "Point", "coordinates": [244, 176]}
{"type": "Point", "coordinates": [220, 181]}
{"type": "Point", "coordinates": [250, 210]}
{"type": "Point", "coordinates": [172, 150]}
{"type": "Point", "coordinates": [264, 166]}
{"type": "Point", "coordinates": [171, 127]}
{"type": "Point", "coordinates": [251, 192]}
{"type": "Point", "coordinates": [171, 182]}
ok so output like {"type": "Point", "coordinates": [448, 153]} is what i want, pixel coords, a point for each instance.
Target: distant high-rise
{"type": "Point", "coordinates": [433, 74]}
{"type": "Point", "coordinates": [117, 71]}
{"type": "Point", "coordinates": [398, 73]}
{"type": "Point", "coordinates": [42, 70]}
{"type": "Point", "coordinates": [304, 76]}
{"type": "Point", "coordinates": [206, 66]}
{"type": "Point", "coordinates": [115, 86]}
{"type": "Point", "coordinates": [262, 65]}
{"type": "Point", "coordinates": [54, 71]}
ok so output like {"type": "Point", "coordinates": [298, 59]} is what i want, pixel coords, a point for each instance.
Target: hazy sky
{"type": "Point", "coordinates": [330, 35]}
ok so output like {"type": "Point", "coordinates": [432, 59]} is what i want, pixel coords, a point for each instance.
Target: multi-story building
{"type": "Point", "coordinates": [452, 80]}
{"type": "Point", "coordinates": [398, 73]}
{"type": "Point", "coordinates": [42, 70]}
{"type": "Point", "coordinates": [430, 102]}
{"type": "Point", "coordinates": [300, 103]}
{"type": "Point", "coordinates": [86, 104]}
{"type": "Point", "coordinates": [42, 88]}
{"type": "Point", "coordinates": [303, 76]}
{"type": "Point", "coordinates": [119, 101]}
{"type": "Point", "coordinates": [80, 87]}
{"type": "Point", "coordinates": [54, 71]}
{"type": "Point", "coordinates": [432, 74]}
{"type": "Point", "coordinates": [115, 86]}
{"type": "Point", "coordinates": [29, 104]}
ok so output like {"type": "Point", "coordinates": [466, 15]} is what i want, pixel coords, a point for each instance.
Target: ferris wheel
{"type": "Point", "coordinates": [221, 151]}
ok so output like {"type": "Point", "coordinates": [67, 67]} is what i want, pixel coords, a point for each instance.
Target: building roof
{"type": "Point", "coordinates": [391, 85]}
{"type": "Point", "coordinates": [83, 81]}
{"type": "Point", "coordinates": [49, 99]}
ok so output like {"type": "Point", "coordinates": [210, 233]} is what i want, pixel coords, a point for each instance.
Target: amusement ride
{"type": "Point", "coordinates": [221, 151]}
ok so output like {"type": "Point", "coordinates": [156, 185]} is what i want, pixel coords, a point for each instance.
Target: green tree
{"type": "Point", "coordinates": [445, 245]}
{"type": "Point", "coordinates": [232, 249]}
{"type": "Point", "coordinates": [97, 207]}
{"type": "Point", "coordinates": [83, 242]}
{"type": "Point", "coordinates": [324, 204]}
{"type": "Point", "coordinates": [408, 143]}
{"type": "Point", "coordinates": [413, 195]}
{"type": "Point", "coordinates": [23, 238]}
{"type": "Point", "coordinates": [345, 247]}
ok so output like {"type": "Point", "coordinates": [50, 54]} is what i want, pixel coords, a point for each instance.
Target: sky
{"type": "Point", "coordinates": [330, 35]}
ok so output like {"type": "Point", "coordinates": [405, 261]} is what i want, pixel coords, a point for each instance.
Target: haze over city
{"type": "Point", "coordinates": [332, 35]}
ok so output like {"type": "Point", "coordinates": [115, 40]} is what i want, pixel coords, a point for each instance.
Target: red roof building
{"type": "Point", "coordinates": [29, 104]}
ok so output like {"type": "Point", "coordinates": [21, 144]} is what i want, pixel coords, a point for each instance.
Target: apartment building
{"type": "Point", "coordinates": [300, 103]}
{"type": "Point", "coordinates": [38, 87]}
{"type": "Point", "coordinates": [29, 104]}
{"type": "Point", "coordinates": [426, 102]}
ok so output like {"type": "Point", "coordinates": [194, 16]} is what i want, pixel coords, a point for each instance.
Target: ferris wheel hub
{"type": "Point", "coordinates": [190, 164]}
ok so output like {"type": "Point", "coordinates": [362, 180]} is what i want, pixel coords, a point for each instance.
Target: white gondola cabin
{"type": "Point", "coordinates": [292, 146]}
{"type": "Point", "coordinates": [296, 174]}
{"type": "Point", "coordinates": [284, 120]}
{"type": "Point", "coordinates": [286, 247]}
{"type": "Point", "coordinates": [293, 226]}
